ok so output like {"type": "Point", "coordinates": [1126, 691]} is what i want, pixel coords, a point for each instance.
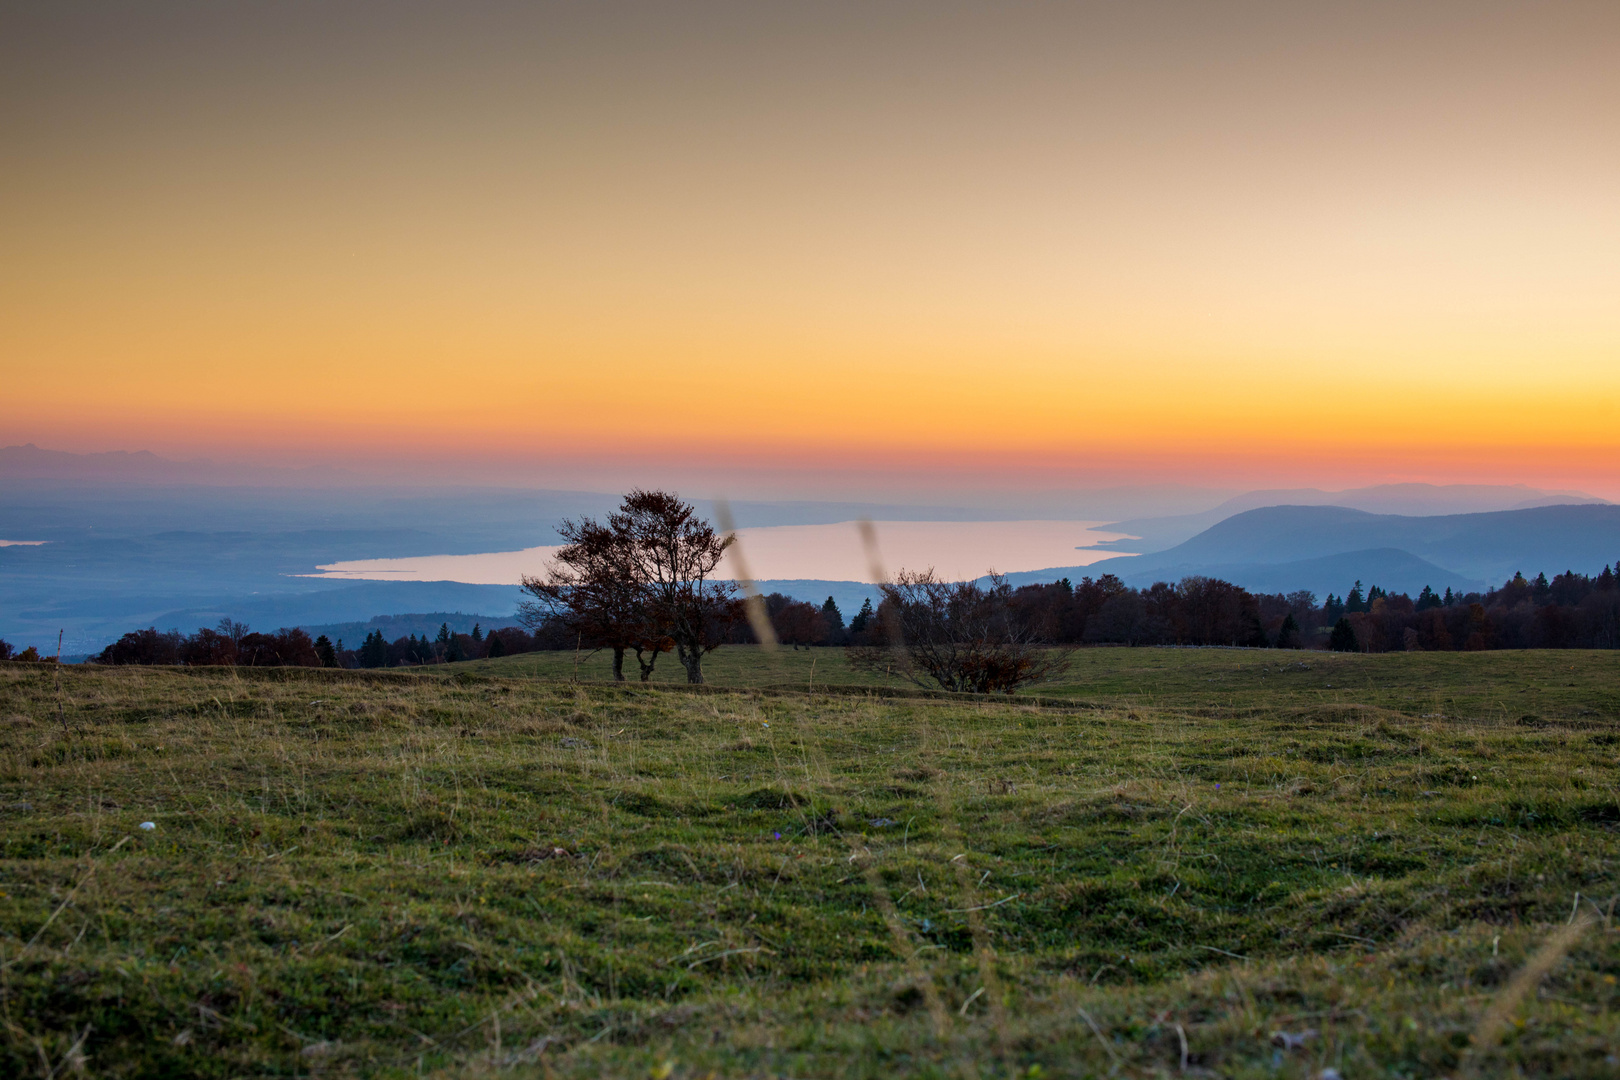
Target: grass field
{"type": "Point", "coordinates": [1572, 683]}
{"type": "Point", "coordinates": [1180, 862]}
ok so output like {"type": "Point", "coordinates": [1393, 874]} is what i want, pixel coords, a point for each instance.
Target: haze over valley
{"type": "Point", "coordinates": [105, 553]}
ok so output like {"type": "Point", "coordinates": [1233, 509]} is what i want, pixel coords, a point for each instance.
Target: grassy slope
{"type": "Point", "coordinates": [380, 874]}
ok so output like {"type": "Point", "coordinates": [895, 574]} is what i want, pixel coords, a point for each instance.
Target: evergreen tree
{"type": "Point", "coordinates": [1355, 601]}
{"type": "Point", "coordinates": [476, 636]}
{"type": "Point", "coordinates": [834, 617]}
{"type": "Point", "coordinates": [453, 651]}
{"type": "Point", "coordinates": [862, 617]}
{"type": "Point", "coordinates": [1332, 608]}
{"type": "Point", "coordinates": [496, 647]}
{"type": "Point", "coordinates": [1427, 599]}
{"type": "Point", "coordinates": [1254, 635]}
{"type": "Point", "coordinates": [1375, 593]}
{"type": "Point", "coordinates": [374, 652]}
{"type": "Point", "coordinates": [324, 650]}
{"type": "Point", "coordinates": [441, 644]}
{"type": "Point", "coordinates": [1343, 638]}
{"type": "Point", "coordinates": [1447, 600]}
{"type": "Point", "coordinates": [1288, 634]}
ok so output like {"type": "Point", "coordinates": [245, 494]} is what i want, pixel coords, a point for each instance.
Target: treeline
{"type": "Point", "coordinates": [449, 647]}
{"type": "Point", "coordinates": [232, 644]}
{"type": "Point", "coordinates": [30, 655]}
{"type": "Point", "coordinates": [1571, 611]}
{"type": "Point", "coordinates": [229, 644]}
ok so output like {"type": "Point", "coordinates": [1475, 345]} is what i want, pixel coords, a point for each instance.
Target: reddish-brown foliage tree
{"type": "Point", "coordinates": [675, 555]}
{"type": "Point", "coordinates": [594, 589]}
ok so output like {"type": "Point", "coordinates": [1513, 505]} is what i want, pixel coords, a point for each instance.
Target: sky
{"type": "Point", "coordinates": [833, 249]}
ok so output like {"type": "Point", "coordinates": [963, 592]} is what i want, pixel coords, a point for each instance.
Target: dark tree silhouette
{"type": "Point", "coordinates": [795, 622]}
{"type": "Point", "coordinates": [595, 591]}
{"type": "Point", "coordinates": [1343, 638]}
{"type": "Point", "coordinates": [143, 647]}
{"type": "Point", "coordinates": [374, 650]}
{"type": "Point", "coordinates": [675, 555]}
{"type": "Point", "coordinates": [959, 636]}
{"type": "Point", "coordinates": [863, 618]}
{"type": "Point", "coordinates": [833, 619]}
{"type": "Point", "coordinates": [1288, 635]}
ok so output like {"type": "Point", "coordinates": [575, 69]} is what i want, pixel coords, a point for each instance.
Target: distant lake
{"type": "Point", "coordinates": [955, 549]}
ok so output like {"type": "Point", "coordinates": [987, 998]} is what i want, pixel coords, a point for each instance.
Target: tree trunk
{"type": "Point", "coordinates": [618, 663]}
{"type": "Point", "coordinates": [646, 665]}
{"type": "Point", "coordinates": [693, 663]}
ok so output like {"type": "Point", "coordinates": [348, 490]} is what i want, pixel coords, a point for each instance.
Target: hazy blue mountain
{"type": "Point", "coordinates": [394, 627]}
{"type": "Point", "coordinates": [144, 467]}
{"type": "Point", "coordinates": [1392, 568]}
{"type": "Point", "coordinates": [353, 602]}
{"type": "Point", "coordinates": [1155, 534]}
{"type": "Point", "coordinates": [1475, 547]}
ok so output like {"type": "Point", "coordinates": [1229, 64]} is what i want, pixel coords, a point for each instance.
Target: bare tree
{"type": "Point", "coordinates": [959, 636]}
{"type": "Point", "coordinates": [594, 589]}
{"type": "Point", "coordinates": [676, 554]}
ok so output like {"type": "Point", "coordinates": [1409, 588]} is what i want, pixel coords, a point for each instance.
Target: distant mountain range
{"type": "Point", "coordinates": [30, 462]}
{"type": "Point", "coordinates": [1327, 548]}
{"type": "Point", "coordinates": [1148, 535]}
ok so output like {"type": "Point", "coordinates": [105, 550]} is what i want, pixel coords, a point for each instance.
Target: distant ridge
{"type": "Point", "coordinates": [30, 462]}
{"type": "Point", "coordinates": [354, 603]}
{"type": "Point", "coordinates": [1391, 568]}
{"type": "Point", "coordinates": [1156, 534]}
{"type": "Point", "coordinates": [1280, 544]}
{"type": "Point", "coordinates": [394, 627]}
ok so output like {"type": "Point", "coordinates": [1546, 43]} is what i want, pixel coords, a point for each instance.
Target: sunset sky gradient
{"type": "Point", "coordinates": [1048, 245]}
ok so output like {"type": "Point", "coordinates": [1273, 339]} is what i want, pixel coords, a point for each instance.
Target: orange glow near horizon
{"type": "Point", "coordinates": [1156, 242]}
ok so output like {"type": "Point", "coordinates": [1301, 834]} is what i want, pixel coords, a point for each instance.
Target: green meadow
{"type": "Point", "coordinates": [1168, 863]}
{"type": "Point", "coordinates": [1574, 684]}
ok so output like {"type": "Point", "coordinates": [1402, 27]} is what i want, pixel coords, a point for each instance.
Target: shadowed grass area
{"type": "Point", "coordinates": [467, 870]}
